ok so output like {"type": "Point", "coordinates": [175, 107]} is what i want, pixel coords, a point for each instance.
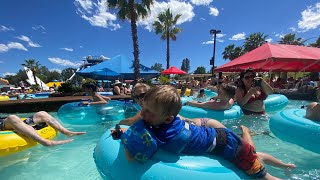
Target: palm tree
{"type": "Point", "coordinates": [316, 44]}
{"type": "Point", "coordinates": [32, 66]}
{"type": "Point", "coordinates": [254, 40]}
{"type": "Point", "coordinates": [231, 52]}
{"type": "Point", "coordinates": [131, 10]}
{"type": "Point", "coordinates": [166, 25]}
{"type": "Point", "coordinates": [291, 40]}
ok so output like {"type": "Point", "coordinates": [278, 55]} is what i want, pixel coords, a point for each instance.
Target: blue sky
{"type": "Point", "coordinates": [60, 33]}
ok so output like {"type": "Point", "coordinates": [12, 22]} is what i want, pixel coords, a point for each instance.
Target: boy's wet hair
{"type": "Point", "coordinates": [166, 98]}
{"type": "Point", "coordinates": [90, 86]}
{"type": "Point", "coordinates": [230, 90]}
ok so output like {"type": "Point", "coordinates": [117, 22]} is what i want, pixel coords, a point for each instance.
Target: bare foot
{"type": "Point", "coordinates": [71, 133]}
{"type": "Point", "coordinates": [55, 143]}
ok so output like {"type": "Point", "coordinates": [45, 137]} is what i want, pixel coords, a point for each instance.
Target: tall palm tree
{"type": "Point", "coordinates": [291, 40]}
{"type": "Point", "coordinates": [166, 25]}
{"type": "Point", "coordinates": [131, 10]}
{"type": "Point", "coordinates": [254, 40]}
{"type": "Point", "coordinates": [231, 52]}
{"type": "Point", "coordinates": [32, 66]}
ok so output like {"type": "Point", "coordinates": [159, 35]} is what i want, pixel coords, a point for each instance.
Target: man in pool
{"type": "Point", "coordinates": [25, 128]}
{"type": "Point", "coordinates": [162, 128]}
{"type": "Point", "coordinates": [223, 101]}
{"type": "Point", "coordinates": [313, 111]}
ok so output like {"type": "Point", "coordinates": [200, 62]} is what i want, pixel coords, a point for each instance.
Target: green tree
{"type": "Point", "coordinates": [200, 70]}
{"type": "Point", "coordinates": [67, 73]}
{"type": "Point", "coordinates": [231, 52]}
{"type": "Point", "coordinates": [253, 41]}
{"type": "Point", "coordinates": [32, 66]}
{"type": "Point", "coordinates": [166, 25]}
{"type": "Point", "coordinates": [291, 40]}
{"type": "Point", "coordinates": [15, 79]}
{"type": "Point", "coordinates": [132, 10]}
{"type": "Point", "coordinates": [157, 67]}
{"type": "Point", "coordinates": [316, 44]}
{"type": "Point", "coordinates": [185, 65]}
{"type": "Point", "coordinates": [53, 75]}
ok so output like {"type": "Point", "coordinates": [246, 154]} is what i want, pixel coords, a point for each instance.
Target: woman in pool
{"type": "Point", "coordinates": [91, 89]}
{"type": "Point", "coordinates": [25, 128]}
{"type": "Point", "coordinates": [251, 92]}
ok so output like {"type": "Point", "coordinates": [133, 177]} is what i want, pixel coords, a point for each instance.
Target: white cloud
{"type": "Point", "coordinates": [176, 7]}
{"type": "Point", "coordinates": [293, 29]}
{"type": "Point", "coordinates": [269, 39]}
{"type": "Point", "coordinates": [218, 38]}
{"type": "Point", "coordinates": [4, 28]}
{"type": "Point", "coordinates": [1, 62]}
{"type": "Point", "coordinates": [80, 46]}
{"type": "Point", "coordinates": [310, 18]}
{"type": "Point", "coordinates": [214, 11]}
{"type": "Point", "coordinates": [58, 70]}
{"type": "Point", "coordinates": [64, 62]}
{"type": "Point", "coordinates": [97, 13]}
{"type": "Point", "coordinates": [9, 74]}
{"type": "Point", "coordinates": [280, 35]}
{"type": "Point", "coordinates": [208, 42]}
{"type": "Point", "coordinates": [38, 27]}
{"type": "Point", "coordinates": [201, 2]}
{"type": "Point", "coordinates": [12, 45]}
{"type": "Point", "coordinates": [67, 49]}
{"type": "Point", "coordinates": [238, 36]}
{"type": "Point", "coordinates": [28, 40]}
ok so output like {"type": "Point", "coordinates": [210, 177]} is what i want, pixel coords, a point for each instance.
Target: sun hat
{"type": "Point", "coordinates": [117, 82]}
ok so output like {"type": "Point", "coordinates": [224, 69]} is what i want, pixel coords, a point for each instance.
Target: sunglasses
{"type": "Point", "coordinates": [248, 77]}
{"type": "Point", "coordinates": [138, 97]}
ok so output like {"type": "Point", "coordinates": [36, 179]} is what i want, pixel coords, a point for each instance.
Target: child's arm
{"type": "Point", "coordinates": [128, 155]}
{"type": "Point", "coordinates": [132, 120]}
{"type": "Point", "coordinates": [98, 99]}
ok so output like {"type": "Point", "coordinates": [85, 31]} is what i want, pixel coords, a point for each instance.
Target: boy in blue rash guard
{"type": "Point", "coordinates": [162, 128]}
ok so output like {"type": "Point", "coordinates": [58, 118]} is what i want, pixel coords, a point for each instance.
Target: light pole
{"type": "Point", "coordinates": [214, 32]}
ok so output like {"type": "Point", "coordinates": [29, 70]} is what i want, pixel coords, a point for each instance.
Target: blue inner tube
{"type": "Point", "coordinates": [75, 113]}
{"type": "Point", "coordinates": [111, 163]}
{"type": "Point", "coordinates": [291, 126]}
{"type": "Point", "coordinates": [275, 102]}
{"type": "Point", "coordinates": [195, 112]}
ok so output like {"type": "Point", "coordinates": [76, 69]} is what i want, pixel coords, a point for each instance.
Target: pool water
{"type": "Point", "coordinates": [74, 160]}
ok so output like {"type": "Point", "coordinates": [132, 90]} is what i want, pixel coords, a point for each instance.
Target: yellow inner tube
{"type": "Point", "coordinates": [188, 91]}
{"type": "Point", "coordinates": [4, 98]}
{"type": "Point", "coordinates": [11, 142]}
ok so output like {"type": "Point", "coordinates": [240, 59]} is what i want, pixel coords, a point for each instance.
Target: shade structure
{"type": "Point", "coordinates": [117, 67]}
{"type": "Point", "coordinates": [173, 70]}
{"type": "Point", "coordinates": [278, 58]}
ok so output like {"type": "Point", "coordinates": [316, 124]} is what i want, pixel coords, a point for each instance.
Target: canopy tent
{"type": "Point", "coordinates": [117, 67]}
{"type": "Point", "coordinates": [277, 58]}
{"type": "Point", "coordinates": [97, 73]}
{"type": "Point", "coordinates": [173, 70]}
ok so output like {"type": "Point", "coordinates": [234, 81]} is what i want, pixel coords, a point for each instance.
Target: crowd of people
{"type": "Point", "coordinates": [159, 117]}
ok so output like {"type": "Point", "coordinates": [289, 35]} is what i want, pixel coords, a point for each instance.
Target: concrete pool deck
{"type": "Point", "coordinates": [44, 104]}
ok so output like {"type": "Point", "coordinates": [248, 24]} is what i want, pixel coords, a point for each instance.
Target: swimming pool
{"type": "Point", "coordinates": [74, 160]}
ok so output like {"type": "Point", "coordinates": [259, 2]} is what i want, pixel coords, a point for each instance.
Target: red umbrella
{"type": "Point", "coordinates": [277, 57]}
{"type": "Point", "coordinates": [173, 70]}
